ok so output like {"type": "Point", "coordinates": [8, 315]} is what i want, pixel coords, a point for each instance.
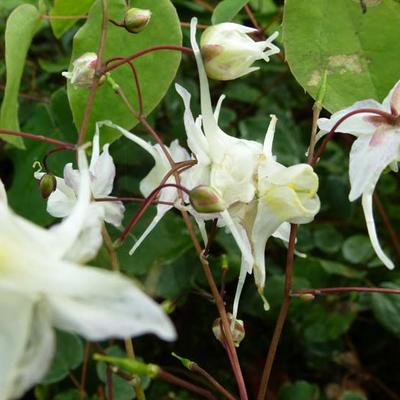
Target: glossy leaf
{"type": "Point", "coordinates": [356, 48]}
{"type": "Point", "coordinates": [155, 70]}
{"type": "Point", "coordinates": [22, 25]}
{"type": "Point", "coordinates": [67, 7]}
{"type": "Point", "coordinates": [226, 10]}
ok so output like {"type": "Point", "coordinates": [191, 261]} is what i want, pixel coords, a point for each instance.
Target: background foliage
{"type": "Point", "coordinates": [336, 347]}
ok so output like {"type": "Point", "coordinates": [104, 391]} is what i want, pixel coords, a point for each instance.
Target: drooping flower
{"type": "Point", "coordinates": [242, 173]}
{"type": "Point", "coordinates": [229, 52]}
{"type": "Point", "coordinates": [83, 70]}
{"type": "Point", "coordinates": [377, 146]}
{"type": "Point", "coordinates": [61, 202]}
{"type": "Point", "coordinates": [42, 286]}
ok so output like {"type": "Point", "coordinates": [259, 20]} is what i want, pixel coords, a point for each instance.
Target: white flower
{"type": "Point", "coordinates": [83, 70]}
{"type": "Point", "coordinates": [61, 202]}
{"type": "Point", "coordinates": [40, 289]}
{"type": "Point", "coordinates": [229, 52]}
{"type": "Point", "coordinates": [377, 146]}
{"type": "Point", "coordinates": [244, 174]}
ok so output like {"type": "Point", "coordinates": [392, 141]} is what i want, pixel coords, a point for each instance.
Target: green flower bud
{"type": "Point", "coordinates": [307, 297]}
{"type": "Point", "coordinates": [47, 184]}
{"type": "Point", "coordinates": [237, 329]}
{"type": "Point", "coordinates": [206, 199]}
{"type": "Point", "coordinates": [136, 19]}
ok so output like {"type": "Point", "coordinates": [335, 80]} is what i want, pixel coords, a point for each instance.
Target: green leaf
{"type": "Point", "coordinates": [156, 70]}
{"type": "Point", "coordinates": [386, 308]}
{"type": "Point", "coordinates": [337, 268]}
{"type": "Point", "coordinates": [355, 48]}
{"type": "Point", "coordinates": [68, 356]}
{"type": "Point", "coordinates": [300, 390]}
{"type": "Point", "coordinates": [22, 25]}
{"type": "Point", "coordinates": [327, 239]}
{"type": "Point", "coordinates": [67, 7]}
{"type": "Point", "coordinates": [226, 10]}
{"type": "Point", "coordinates": [357, 249]}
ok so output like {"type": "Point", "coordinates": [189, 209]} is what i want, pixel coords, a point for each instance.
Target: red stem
{"type": "Point", "coordinates": [299, 292]}
{"type": "Point", "coordinates": [142, 53]}
{"type": "Point", "coordinates": [40, 138]}
{"type": "Point", "coordinates": [144, 207]}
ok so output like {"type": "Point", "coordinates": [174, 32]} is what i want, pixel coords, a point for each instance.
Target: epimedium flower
{"type": "Point", "coordinates": [229, 52]}
{"type": "Point", "coordinates": [42, 287]}
{"type": "Point", "coordinates": [83, 71]}
{"type": "Point", "coordinates": [377, 147]}
{"type": "Point", "coordinates": [62, 200]}
{"type": "Point", "coordinates": [240, 176]}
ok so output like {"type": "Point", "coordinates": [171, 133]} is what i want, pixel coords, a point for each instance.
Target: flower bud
{"type": "Point", "coordinates": [206, 199]}
{"type": "Point", "coordinates": [229, 52]}
{"type": "Point", "coordinates": [237, 330]}
{"type": "Point", "coordinates": [136, 19]}
{"type": "Point", "coordinates": [307, 297]}
{"type": "Point", "coordinates": [83, 71]}
{"type": "Point", "coordinates": [47, 184]}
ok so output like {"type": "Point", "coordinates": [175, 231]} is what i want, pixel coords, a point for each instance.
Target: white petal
{"type": "Point", "coordinates": [283, 232]}
{"type": "Point", "coordinates": [15, 319]}
{"type": "Point", "coordinates": [61, 202]}
{"type": "Point", "coordinates": [392, 100]}
{"type": "Point", "coordinates": [38, 352]}
{"type": "Point", "coordinates": [195, 137]}
{"type": "Point", "coordinates": [242, 278]}
{"type": "Point", "coordinates": [265, 224]}
{"type": "Point", "coordinates": [99, 304]}
{"type": "Point", "coordinates": [357, 124]}
{"type": "Point", "coordinates": [369, 156]}
{"type": "Point", "coordinates": [217, 110]}
{"type": "Point", "coordinates": [269, 136]}
{"type": "Point", "coordinates": [64, 234]}
{"type": "Point", "coordinates": [103, 172]}
{"type": "Point", "coordinates": [88, 243]}
{"type": "Point", "coordinates": [369, 219]}
{"type": "Point", "coordinates": [3, 194]}
{"type": "Point", "coordinates": [95, 148]}
{"type": "Point", "coordinates": [113, 212]}
{"type": "Point", "coordinates": [241, 240]}
{"type": "Point", "coordinates": [71, 177]}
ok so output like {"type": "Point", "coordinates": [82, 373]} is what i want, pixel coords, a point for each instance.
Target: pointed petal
{"type": "Point", "coordinates": [283, 232]}
{"type": "Point", "coordinates": [369, 219]}
{"type": "Point", "coordinates": [369, 156]}
{"type": "Point", "coordinates": [103, 173]}
{"type": "Point", "coordinates": [357, 124]}
{"type": "Point", "coordinates": [161, 211]}
{"type": "Point", "coordinates": [241, 240]}
{"type": "Point", "coordinates": [95, 148]}
{"type": "Point", "coordinates": [265, 224]}
{"type": "Point", "coordinates": [269, 136]}
{"type": "Point", "coordinates": [99, 304]}
{"type": "Point", "coordinates": [392, 100]}
{"type": "Point", "coordinates": [217, 110]}
{"type": "Point", "coordinates": [244, 267]}
{"type": "Point", "coordinates": [195, 137]}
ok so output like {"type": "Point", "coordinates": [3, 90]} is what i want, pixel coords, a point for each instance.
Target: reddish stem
{"type": "Point", "coordinates": [296, 293]}
{"type": "Point", "coordinates": [142, 53]}
{"type": "Point", "coordinates": [40, 138]}
{"type": "Point", "coordinates": [329, 136]}
{"type": "Point", "coordinates": [144, 207]}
